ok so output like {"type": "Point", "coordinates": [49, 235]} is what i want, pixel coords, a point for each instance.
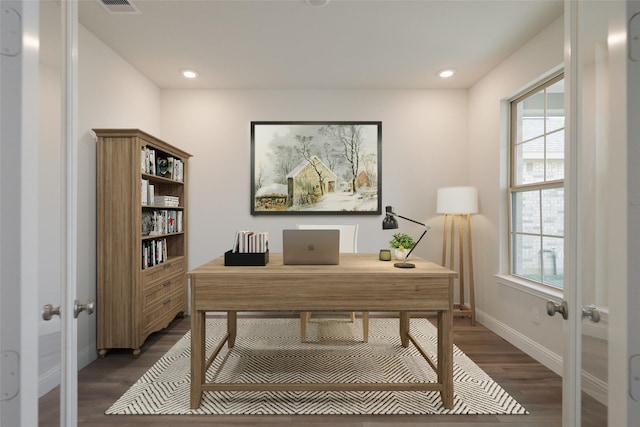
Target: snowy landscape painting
{"type": "Point", "coordinates": [316, 168]}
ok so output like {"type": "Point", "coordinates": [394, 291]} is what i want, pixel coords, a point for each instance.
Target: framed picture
{"type": "Point", "coordinates": [316, 168]}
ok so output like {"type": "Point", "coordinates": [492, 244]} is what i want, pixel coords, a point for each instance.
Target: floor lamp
{"type": "Point", "coordinates": [457, 204]}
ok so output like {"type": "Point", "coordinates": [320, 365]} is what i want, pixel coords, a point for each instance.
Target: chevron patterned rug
{"type": "Point", "coordinates": [269, 350]}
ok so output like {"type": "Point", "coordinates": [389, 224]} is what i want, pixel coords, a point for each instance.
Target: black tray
{"type": "Point", "coordinates": [237, 259]}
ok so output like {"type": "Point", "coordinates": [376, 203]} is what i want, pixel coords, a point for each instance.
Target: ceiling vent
{"type": "Point", "coordinates": [120, 7]}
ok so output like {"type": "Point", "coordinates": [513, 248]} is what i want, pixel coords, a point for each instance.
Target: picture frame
{"type": "Point", "coordinates": [316, 168]}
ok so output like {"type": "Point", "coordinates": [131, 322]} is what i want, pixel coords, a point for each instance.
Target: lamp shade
{"type": "Point", "coordinates": [457, 200]}
{"type": "Point", "coordinates": [389, 222]}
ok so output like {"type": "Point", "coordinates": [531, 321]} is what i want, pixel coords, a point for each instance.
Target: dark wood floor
{"type": "Point", "coordinates": [537, 388]}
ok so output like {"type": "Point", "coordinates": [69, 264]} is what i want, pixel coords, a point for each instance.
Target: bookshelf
{"type": "Point", "coordinates": [142, 237]}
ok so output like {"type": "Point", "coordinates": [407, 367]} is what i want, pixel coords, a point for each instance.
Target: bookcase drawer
{"type": "Point", "coordinates": [158, 315]}
{"type": "Point", "coordinates": [161, 273]}
{"type": "Point", "coordinates": [160, 289]}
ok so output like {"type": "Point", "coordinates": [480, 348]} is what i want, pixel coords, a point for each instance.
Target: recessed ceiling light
{"type": "Point", "coordinates": [317, 3]}
{"type": "Point", "coordinates": [190, 74]}
{"type": "Point", "coordinates": [447, 73]}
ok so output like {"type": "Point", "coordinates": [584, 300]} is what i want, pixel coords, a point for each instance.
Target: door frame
{"type": "Point", "coordinates": [571, 384]}
{"type": "Point", "coordinates": [69, 196]}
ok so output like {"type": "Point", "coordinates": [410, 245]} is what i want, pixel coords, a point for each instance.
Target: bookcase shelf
{"type": "Point", "coordinates": [141, 278]}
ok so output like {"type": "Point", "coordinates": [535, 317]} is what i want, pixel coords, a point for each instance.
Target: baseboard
{"type": "Point", "coordinates": [49, 362]}
{"type": "Point", "coordinates": [591, 385]}
{"type": "Point", "coordinates": [542, 354]}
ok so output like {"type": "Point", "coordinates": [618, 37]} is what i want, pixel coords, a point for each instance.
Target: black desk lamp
{"type": "Point", "coordinates": [389, 223]}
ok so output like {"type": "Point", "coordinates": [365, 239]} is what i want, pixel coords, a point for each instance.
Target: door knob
{"type": "Point", "coordinates": [562, 308]}
{"type": "Point", "coordinates": [79, 308]}
{"type": "Point", "coordinates": [48, 311]}
{"type": "Point", "coordinates": [592, 313]}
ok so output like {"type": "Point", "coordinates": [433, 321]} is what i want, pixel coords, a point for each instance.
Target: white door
{"type": "Point", "coordinates": [18, 216]}
{"type": "Point", "coordinates": [37, 207]}
{"type": "Point", "coordinates": [58, 139]}
{"type": "Point", "coordinates": [631, 405]}
{"type": "Point", "coordinates": [597, 216]}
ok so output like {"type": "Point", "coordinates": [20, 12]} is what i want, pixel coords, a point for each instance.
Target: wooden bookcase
{"type": "Point", "coordinates": [142, 246]}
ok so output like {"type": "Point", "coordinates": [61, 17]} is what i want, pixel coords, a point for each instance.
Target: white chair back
{"type": "Point", "coordinates": [348, 234]}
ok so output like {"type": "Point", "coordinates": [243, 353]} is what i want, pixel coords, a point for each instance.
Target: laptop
{"type": "Point", "coordinates": [311, 247]}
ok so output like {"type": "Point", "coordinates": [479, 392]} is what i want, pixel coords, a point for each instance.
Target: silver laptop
{"type": "Point", "coordinates": [304, 247]}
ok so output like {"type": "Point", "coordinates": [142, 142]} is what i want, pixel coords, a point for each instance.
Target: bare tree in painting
{"type": "Point", "coordinates": [349, 138]}
{"type": "Point", "coordinates": [332, 157]}
{"type": "Point", "coordinates": [285, 159]}
{"type": "Point", "coordinates": [305, 150]}
{"type": "Point", "coordinates": [259, 176]}
{"type": "Point", "coordinates": [371, 168]}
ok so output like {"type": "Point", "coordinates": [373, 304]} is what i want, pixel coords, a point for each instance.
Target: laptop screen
{"type": "Point", "coordinates": [311, 247]}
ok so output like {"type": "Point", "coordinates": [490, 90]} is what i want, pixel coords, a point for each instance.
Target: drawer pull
{"type": "Point", "coordinates": [167, 302]}
{"type": "Point", "coordinates": [167, 266]}
{"type": "Point", "coordinates": [167, 283]}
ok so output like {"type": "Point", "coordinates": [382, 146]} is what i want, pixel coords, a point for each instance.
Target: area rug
{"type": "Point", "coordinates": [270, 351]}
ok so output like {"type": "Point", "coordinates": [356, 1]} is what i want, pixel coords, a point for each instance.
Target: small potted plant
{"type": "Point", "coordinates": [402, 243]}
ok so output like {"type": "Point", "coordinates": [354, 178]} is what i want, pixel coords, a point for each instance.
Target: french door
{"type": "Point", "coordinates": [38, 204]}
{"type": "Point", "coordinates": [602, 181]}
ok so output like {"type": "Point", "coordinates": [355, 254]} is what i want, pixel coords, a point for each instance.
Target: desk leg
{"type": "Point", "coordinates": [365, 326]}
{"type": "Point", "coordinates": [232, 327]}
{"type": "Point", "coordinates": [197, 357]}
{"type": "Point", "coordinates": [445, 356]}
{"type": "Point", "coordinates": [404, 328]}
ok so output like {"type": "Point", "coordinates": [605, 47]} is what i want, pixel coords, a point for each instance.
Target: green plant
{"type": "Point", "coordinates": [402, 241]}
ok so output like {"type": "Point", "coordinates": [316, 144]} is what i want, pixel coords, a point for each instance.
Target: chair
{"type": "Point", "coordinates": [348, 244]}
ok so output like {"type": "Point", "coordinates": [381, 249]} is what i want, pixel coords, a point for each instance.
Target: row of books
{"type": "Point", "coordinates": [160, 222]}
{"type": "Point", "coordinates": [149, 198]}
{"type": "Point", "coordinates": [154, 252]}
{"type": "Point", "coordinates": [154, 162]}
{"type": "Point", "coordinates": [247, 241]}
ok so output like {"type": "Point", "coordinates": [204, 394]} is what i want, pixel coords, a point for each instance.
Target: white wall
{"type": "Point", "coordinates": [507, 310]}
{"type": "Point", "coordinates": [423, 135]}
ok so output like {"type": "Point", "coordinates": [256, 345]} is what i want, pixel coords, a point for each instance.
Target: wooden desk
{"type": "Point", "coordinates": [359, 283]}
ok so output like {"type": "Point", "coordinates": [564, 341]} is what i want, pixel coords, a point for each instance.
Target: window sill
{"type": "Point", "coordinates": [540, 291]}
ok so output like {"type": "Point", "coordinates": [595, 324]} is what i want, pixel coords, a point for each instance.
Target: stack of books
{"type": "Point", "coordinates": [247, 241]}
{"type": "Point", "coordinates": [172, 201]}
{"type": "Point", "coordinates": [249, 248]}
{"type": "Point", "coordinates": [160, 164]}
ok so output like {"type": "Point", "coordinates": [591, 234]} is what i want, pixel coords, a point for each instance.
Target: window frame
{"type": "Point", "coordinates": [513, 189]}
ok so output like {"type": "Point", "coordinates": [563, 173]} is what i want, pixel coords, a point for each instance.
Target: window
{"type": "Point", "coordinates": [536, 187]}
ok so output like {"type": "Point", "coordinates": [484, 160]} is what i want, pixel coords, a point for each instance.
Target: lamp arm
{"type": "Point", "coordinates": [409, 219]}
{"type": "Point", "coordinates": [427, 227]}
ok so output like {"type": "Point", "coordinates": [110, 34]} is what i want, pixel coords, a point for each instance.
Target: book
{"type": "Point", "coordinates": [170, 161]}
{"type": "Point", "coordinates": [178, 169]}
{"type": "Point", "coordinates": [144, 190]}
{"type": "Point", "coordinates": [151, 161]}
{"type": "Point", "coordinates": [150, 197]}
{"type": "Point", "coordinates": [143, 160]}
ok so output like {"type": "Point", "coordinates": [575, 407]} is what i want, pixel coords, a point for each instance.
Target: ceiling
{"type": "Point", "coordinates": [345, 44]}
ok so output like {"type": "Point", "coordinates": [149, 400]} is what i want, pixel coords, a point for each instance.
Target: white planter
{"type": "Point", "coordinates": [400, 254]}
